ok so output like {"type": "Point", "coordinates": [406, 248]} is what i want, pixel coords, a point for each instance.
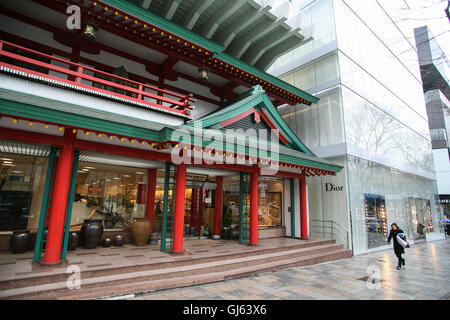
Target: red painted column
{"type": "Point", "coordinates": [59, 203]}
{"type": "Point", "coordinates": [151, 188]}
{"type": "Point", "coordinates": [178, 219]}
{"type": "Point", "coordinates": [303, 208]}
{"type": "Point", "coordinates": [218, 205]}
{"type": "Point", "coordinates": [254, 208]}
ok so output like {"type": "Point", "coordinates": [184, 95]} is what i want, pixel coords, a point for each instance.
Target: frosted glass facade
{"type": "Point", "coordinates": [371, 118]}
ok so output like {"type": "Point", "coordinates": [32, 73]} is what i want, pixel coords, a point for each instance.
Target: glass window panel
{"type": "Point", "coordinates": [22, 181]}
{"type": "Point", "coordinates": [117, 192]}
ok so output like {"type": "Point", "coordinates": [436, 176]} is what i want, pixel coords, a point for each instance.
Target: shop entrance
{"type": "Point", "coordinates": [421, 221]}
{"type": "Point", "coordinates": [236, 207]}
{"type": "Point", "coordinates": [200, 203]}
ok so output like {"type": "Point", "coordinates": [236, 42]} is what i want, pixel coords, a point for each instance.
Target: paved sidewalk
{"type": "Point", "coordinates": [426, 277]}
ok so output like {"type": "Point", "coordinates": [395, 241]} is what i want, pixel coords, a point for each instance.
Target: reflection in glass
{"type": "Point", "coordinates": [117, 192]}
{"type": "Point", "coordinates": [269, 204]}
{"type": "Point", "coordinates": [377, 231]}
{"type": "Point", "coordinates": [22, 180]}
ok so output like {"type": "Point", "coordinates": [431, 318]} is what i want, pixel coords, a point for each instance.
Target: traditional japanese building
{"type": "Point", "coordinates": [98, 117]}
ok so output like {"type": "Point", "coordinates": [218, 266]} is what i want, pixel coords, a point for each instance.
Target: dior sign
{"type": "Point", "coordinates": [331, 187]}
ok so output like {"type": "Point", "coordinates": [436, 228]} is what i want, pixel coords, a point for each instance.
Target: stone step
{"type": "Point", "coordinates": [60, 275]}
{"type": "Point", "coordinates": [154, 285]}
{"type": "Point", "coordinates": [221, 266]}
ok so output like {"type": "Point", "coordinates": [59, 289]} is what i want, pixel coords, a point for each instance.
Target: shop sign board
{"type": "Point", "coordinates": [329, 187]}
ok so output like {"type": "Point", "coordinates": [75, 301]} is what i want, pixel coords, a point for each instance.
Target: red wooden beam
{"type": "Point", "coordinates": [121, 150]}
{"type": "Point", "coordinates": [32, 137]}
{"type": "Point", "coordinates": [282, 174]}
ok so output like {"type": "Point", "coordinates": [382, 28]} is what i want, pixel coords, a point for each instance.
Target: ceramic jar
{"type": "Point", "coordinates": [92, 232]}
{"type": "Point", "coordinates": [20, 241]}
{"type": "Point", "coordinates": [74, 239]}
{"type": "Point", "coordinates": [140, 231]}
{"type": "Point", "coordinates": [107, 242]}
{"type": "Point", "coordinates": [118, 240]}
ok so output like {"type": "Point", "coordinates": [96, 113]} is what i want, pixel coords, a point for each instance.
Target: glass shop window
{"type": "Point", "coordinates": [116, 193]}
{"type": "Point", "coordinates": [22, 181]}
{"type": "Point", "coordinates": [270, 202]}
{"type": "Point", "coordinates": [376, 225]}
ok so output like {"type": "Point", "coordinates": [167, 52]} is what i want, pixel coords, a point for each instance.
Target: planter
{"type": "Point", "coordinates": [20, 241]}
{"type": "Point", "coordinates": [91, 233]}
{"type": "Point", "coordinates": [140, 231]}
{"type": "Point", "coordinates": [118, 240]}
{"type": "Point", "coordinates": [107, 242]}
{"type": "Point", "coordinates": [74, 239]}
{"type": "Point", "coordinates": [109, 222]}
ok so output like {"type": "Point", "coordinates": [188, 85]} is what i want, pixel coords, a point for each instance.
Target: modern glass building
{"type": "Point", "coordinates": [434, 68]}
{"type": "Point", "coordinates": [371, 118]}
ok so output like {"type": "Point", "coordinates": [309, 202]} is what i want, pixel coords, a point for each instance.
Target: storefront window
{"type": "Point", "coordinates": [377, 231]}
{"type": "Point", "coordinates": [420, 211]}
{"type": "Point", "coordinates": [269, 205]}
{"type": "Point", "coordinates": [198, 207]}
{"type": "Point", "coordinates": [270, 200]}
{"type": "Point", "coordinates": [117, 192]}
{"type": "Point", "coordinates": [231, 201]}
{"type": "Point", "coordinates": [22, 181]}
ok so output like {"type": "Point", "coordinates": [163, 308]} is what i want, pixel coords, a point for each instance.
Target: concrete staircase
{"type": "Point", "coordinates": [156, 276]}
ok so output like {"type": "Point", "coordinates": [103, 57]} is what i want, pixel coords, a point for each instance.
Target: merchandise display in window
{"type": "Point", "coordinates": [22, 180]}
{"type": "Point", "coordinates": [377, 230]}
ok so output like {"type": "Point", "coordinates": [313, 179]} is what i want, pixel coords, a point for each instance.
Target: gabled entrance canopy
{"type": "Point", "coordinates": [254, 109]}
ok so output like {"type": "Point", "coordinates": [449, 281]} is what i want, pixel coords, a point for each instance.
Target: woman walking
{"type": "Point", "coordinates": [398, 248]}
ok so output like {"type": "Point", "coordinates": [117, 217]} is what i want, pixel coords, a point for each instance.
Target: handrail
{"type": "Point", "coordinates": [337, 232]}
{"type": "Point", "coordinates": [179, 104]}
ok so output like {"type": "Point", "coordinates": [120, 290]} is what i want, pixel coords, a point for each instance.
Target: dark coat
{"type": "Point", "coordinates": [397, 246]}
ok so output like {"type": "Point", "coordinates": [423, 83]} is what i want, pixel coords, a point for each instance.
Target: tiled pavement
{"type": "Point", "coordinates": [426, 277]}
